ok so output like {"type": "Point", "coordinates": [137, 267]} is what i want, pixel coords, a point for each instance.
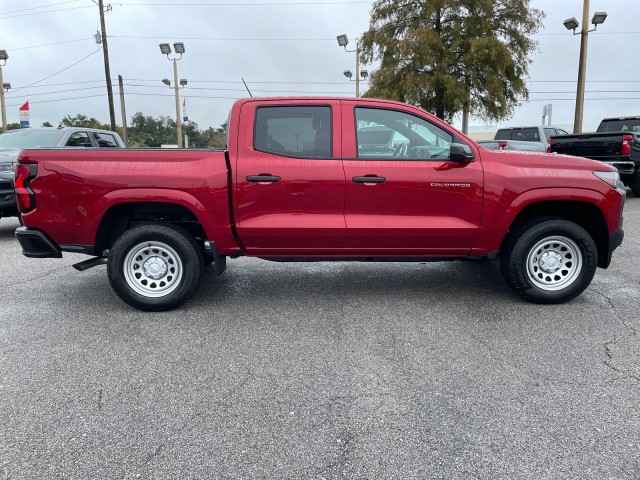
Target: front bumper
{"type": "Point", "coordinates": [36, 244]}
{"type": "Point", "coordinates": [615, 240]}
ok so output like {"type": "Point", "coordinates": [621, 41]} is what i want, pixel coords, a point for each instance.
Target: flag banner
{"type": "Point", "coordinates": [24, 114]}
{"type": "Point", "coordinates": [185, 117]}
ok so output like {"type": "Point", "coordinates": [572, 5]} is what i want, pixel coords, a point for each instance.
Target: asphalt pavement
{"type": "Point", "coordinates": [319, 370]}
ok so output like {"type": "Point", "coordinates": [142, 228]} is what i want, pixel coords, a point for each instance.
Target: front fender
{"type": "Point", "coordinates": [499, 215]}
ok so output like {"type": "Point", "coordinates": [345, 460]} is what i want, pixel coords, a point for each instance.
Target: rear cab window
{"type": "Point", "coordinates": [520, 134]}
{"type": "Point", "coordinates": [294, 131]}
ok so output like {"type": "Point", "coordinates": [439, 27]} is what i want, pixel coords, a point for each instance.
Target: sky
{"type": "Point", "coordinates": [279, 47]}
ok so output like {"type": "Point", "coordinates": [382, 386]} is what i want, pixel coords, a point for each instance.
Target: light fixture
{"type": "Point", "coordinates": [364, 73]}
{"type": "Point", "coordinates": [343, 41]}
{"type": "Point", "coordinates": [165, 48]}
{"type": "Point", "coordinates": [166, 81]}
{"type": "Point", "coordinates": [179, 47]}
{"type": "Point", "coordinates": [6, 86]}
{"type": "Point", "coordinates": [183, 82]}
{"type": "Point", "coordinates": [599, 18]}
{"type": "Point", "coordinates": [348, 74]}
{"type": "Point", "coordinates": [571, 23]}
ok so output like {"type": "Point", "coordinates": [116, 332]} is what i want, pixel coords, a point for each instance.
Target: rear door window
{"type": "Point", "coordinates": [79, 139]}
{"type": "Point", "coordinates": [106, 140]}
{"type": "Point", "coordinates": [294, 131]}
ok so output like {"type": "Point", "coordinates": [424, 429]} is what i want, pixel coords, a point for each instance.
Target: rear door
{"type": "Point", "coordinates": [407, 199]}
{"type": "Point", "coordinates": [289, 181]}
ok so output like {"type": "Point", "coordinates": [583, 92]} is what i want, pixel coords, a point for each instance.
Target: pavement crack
{"type": "Point", "coordinates": [100, 401]}
{"type": "Point", "coordinates": [153, 455]}
{"type": "Point", "coordinates": [609, 362]}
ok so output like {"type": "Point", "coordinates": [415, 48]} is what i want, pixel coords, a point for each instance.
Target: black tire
{"type": "Point", "coordinates": [549, 260]}
{"type": "Point", "coordinates": [155, 267]}
{"type": "Point", "coordinates": [634, 184]}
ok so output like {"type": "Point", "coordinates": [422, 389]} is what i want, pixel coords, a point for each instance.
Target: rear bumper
{"type": "Point", "coordinates": [36, 244]}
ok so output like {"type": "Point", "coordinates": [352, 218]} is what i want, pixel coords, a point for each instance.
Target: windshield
{"type": "Point", "coordinates": [27, 138]}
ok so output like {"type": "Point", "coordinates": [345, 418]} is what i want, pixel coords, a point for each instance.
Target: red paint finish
{"type": "Point", "coordinates": [424, 208]}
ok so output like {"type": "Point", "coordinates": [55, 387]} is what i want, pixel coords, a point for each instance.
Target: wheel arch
{"type": "Point", "coordinates": [583, 213]}
{"type": "Point", "coordinates": [123, 215]}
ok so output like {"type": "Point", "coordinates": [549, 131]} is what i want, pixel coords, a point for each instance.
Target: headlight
{"type": "Point", "coordinates": [612, 178]}
{"type": "Point", "coordinates": [5, 167]}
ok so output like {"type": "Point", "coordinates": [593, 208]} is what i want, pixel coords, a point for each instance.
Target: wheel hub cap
{"type": "Point", "coordinates": [550, 262]}
{"type": "Point", "coordinates": [155, 268]}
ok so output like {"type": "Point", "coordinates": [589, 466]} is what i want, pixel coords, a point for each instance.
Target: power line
{"type": "Point", "coordinates": [42, 6]}
{"type": "Point", "coordinates": [5, 17]}
{"type": "Point", "coordinates": [60, 71]}
{"type": "Point", "coordinates": [50, 44]}
{"type": "Point", "coordinates": [221, 39]}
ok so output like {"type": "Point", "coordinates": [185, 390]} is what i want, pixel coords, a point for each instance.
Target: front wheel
{"type": "Point", "coordinates": [155, 267]}
{"type": "Point", "coordinates": [549, 260]}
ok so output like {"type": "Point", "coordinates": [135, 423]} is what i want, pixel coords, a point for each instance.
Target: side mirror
{"type": "Point", "coordinates": [461, 153]}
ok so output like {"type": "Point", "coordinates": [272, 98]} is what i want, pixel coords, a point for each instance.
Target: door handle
{"type": "Point", "coordinates": [263, 178]}
{"type": "Point", "coordinates": [369, 179]}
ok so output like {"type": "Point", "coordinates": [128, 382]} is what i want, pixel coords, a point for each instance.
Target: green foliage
{"type": "Point", "coordinates": [15, 126]}
{"type": "Point", "coordinates": [146, 131]}
{"type": "Point", "coordinates": [83, 121]}
{"type": "Point", "coordinates": [46, 124]}
{"type": "Point", "coordinates": [443, 55]}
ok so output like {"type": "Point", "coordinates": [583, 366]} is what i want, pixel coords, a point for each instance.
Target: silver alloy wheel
{"type": "Point", "coordinates": [554, 263]}
{"type": "Point", "coordinates": [153, 269]}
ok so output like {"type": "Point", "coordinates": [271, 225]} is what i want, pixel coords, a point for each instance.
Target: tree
{"type": "Point", "coordinates": [450, 55]}
{"type": "Point", "coordinates": [83, 121]}
{"type": "Point", "coordinates": [15, 126]}
{"type": "Point", "coordinates": [46, 124]}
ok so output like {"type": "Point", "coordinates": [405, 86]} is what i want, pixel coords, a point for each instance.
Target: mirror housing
{"type": "Point", "coordinates": [461, 153]}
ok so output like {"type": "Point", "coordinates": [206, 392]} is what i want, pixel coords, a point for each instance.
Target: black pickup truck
{"type": "Point", "coordinates": [616, 142]}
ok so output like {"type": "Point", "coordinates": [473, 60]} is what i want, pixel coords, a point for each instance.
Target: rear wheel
{"type": "Point", "coordinates": [549, 260]}
{"type": "Point", "coordinates": [155, 267]}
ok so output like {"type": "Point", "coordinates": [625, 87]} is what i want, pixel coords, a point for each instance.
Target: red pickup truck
{"type": "Point", "coordinates": [321, 179]}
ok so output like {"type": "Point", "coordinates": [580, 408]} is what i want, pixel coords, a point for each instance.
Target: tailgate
{"type": "Point", "coordinates": [596, 146]}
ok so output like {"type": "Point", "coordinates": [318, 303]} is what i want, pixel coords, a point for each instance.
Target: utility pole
{"type": "Point", "coordinates": [123, 110]}
{"type": "Point", "coordinates": [107, 71]}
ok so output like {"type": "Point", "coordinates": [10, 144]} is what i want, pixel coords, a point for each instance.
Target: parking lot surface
{"type": "Point", "coordinates": [319, 370]}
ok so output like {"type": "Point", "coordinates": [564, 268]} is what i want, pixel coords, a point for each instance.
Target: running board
{"type": "Point", "coordinates": [92, 262]}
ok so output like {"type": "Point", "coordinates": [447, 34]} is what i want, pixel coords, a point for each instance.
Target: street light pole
{"type": "Point", "coordinates": [3, 61]}
{"type": "Point", "coordinates": [582, 69]}
{"type": "Point", "coordinates": [343, 41]}
{"type": "Point", "coordinates": [572, 24]}
{"type": "Point", "coordinates": [165, 49]}
{"type": "Point", "coordinates": [175, 86]}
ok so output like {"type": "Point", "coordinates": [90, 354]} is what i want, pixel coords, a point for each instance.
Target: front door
{"type": "Point", "coordinates": [289, 182]}
{"type": "Point", "coordinates": [404, 197]}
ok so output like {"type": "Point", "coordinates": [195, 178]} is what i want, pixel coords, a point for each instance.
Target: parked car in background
{"type": "Point", "coordinates": [616, 142]}
{"type": "Point", "coordinates": [513, 145]}
{"type": "Point", "coordinates": [538, 135]}
{"type": "Point", "coordinates": [13, 141]}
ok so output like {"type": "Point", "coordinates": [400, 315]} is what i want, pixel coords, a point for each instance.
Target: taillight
{"type": "Point", "coordinates": [502, 145]}
{"type": "Point", "coordinates": [626, 145]}
{"type": "Point", "coordinates": [549, 145]}
{"type": "Point", "coordinates": [25, 198]}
